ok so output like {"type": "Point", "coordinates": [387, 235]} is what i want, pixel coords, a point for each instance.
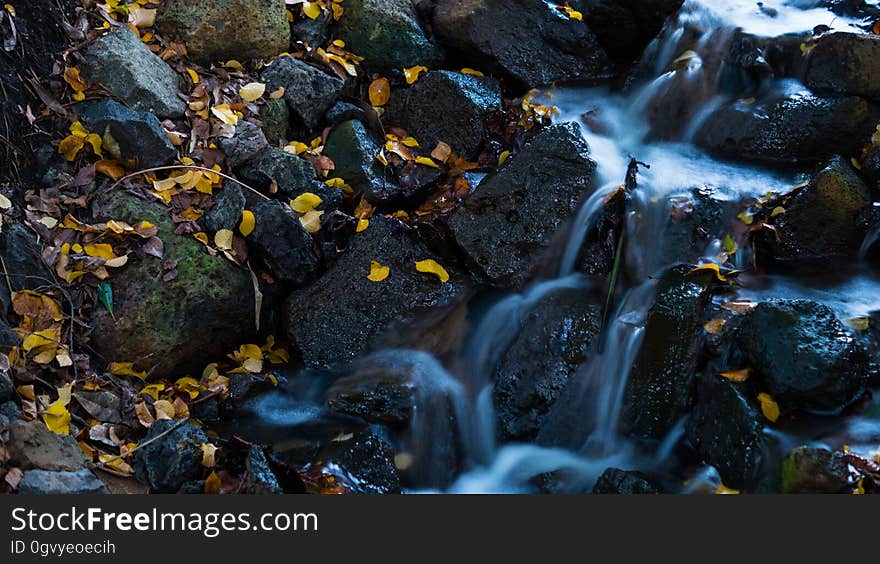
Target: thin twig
{"type": "Point", "coordinates": [191, 167]}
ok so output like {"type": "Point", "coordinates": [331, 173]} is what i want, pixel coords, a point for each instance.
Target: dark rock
{"type": "Point", "coordinates": [33, 445]}
{"type": "Point", "coordinates": [275, 116]}
{"type": "Point", "coordinates": [8, 337]}
{"type": "Point", "coordinates": [130, 71]}
{"type": "Point", "coordinates": [177, 326]}
{"type": "Point", "coordinates": [799, 128]}
{"type": "Point", "coordinates": [829, 217]}
{"type": "Point", "coordinates": [281, 242]}
{"type": "Point", "coordinates": [139, 134]}
{"type": "Point", "coordinates": [625, 482]}
{"type": "Point", "coordinates": [10, 410]}
{"type": "Point", "coordinates": [343, 315]}
{"type": "Point", "coordinates": [508, 222]}
{"type": "Point", "coordinates": [308, 91]}
{"type": "Point", "coordinates": [451, 107]}
{"type": "Point", "coordinates": [353, 150]}
{"type": "Point", "coordinates": [366, 461]}
{"type": "Point", "coordinates": [802, 355]}
{"type": "Point", "coordinates": [727, 432]}
{"type": "Point", "coordinates": [292, 175]}
{"type": "Point", "coordinates": [815, 470]}
{"type": "Point", "coordinates": [247, 141]}
{"type": "Point", "coordinates": [243, 387]}
{"type": "Point", "coordinates": [378, 391]}
{"type": "Point", "coordinates": [170, 461]}
{"type": "Point", "coordinates": [22, 257]}
{"type": "Point", "coordinates": [43, 482]}
{"type": "Point", "coordinates": [527, 40]}
{"type": "Point", "coordinates": [845, 64]}
{"type": "Point", "coordinates": [555, 337]}
{"type": "Point", "coordinates": [7, 388]}
{"type": "Point", "coordinates": [625, 28]}
{"type": "Point", "coordinates": [259, 478]}
{"type": "Point", "coordinates": [343, 111]}
{"type": "Point", "coordinates": [386, 34]}
{"type": "Point", "coordinates": [219, 30]}
{"type": "Point", "coordinates": [312, 32]}
{"type": "Point", "coordinates": [871, 168]}
{"type": "Point", "coordinates": [227, 209]}
{"type": "Point", "coordinates": [660, 387]}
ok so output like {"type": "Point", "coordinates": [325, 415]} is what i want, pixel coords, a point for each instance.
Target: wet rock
{"type": "Point", "coordinates": [815, 470]}
{"type": "Point", "coordinates": [33, 445]}
{"type": "Point", "coordinates": [247, 141]}
{"type": "Point", "coordinates": [341, 112]}
{"type": "Point", "coordinates": [227, 209]}
{"type": "Point", "coordinates": [343, 315]}
{"type": "Point", "coordinates": [291, 175]}
{"type": "Point", "coordinates": [451, 107]}
{"type": "Point", "coordinates": [509, 221]}
{"type": "Point", "coordinates": [378, 391]}
{"type": "Point", "coordinates": [281, 242]}
{"type": "Point", "coordinates": [660, 387]}
{"type": "Point", "coordinates": [308, 91]}
{"type": "Point", "coordinates": [130, 71]}
{"type": "Point", "coordinates": [727, 432]}
{"type": "Point", "coordinates": [625, 482]}
{"type": "Point", "coordinates": [353, 150]}
{"type": "Point", "coordinates": [802, 355]}
{"type": "Point", "coordinates": [386, 34]}
{"type": "Point", "coordinates": [22, 257]}
{"type": "Point", "coordinates": [555, 337]}
{"type": "Point", "coordinates": [312, 32]}
{"type": "Point", "coordinates": [871, 168]}
{"type": "Point", "coordinates": [845, 64]}
{"type": "Point", "coordinates": [7, 388]}
{"type": "Point", "coordinates": [829, 217]}
{"type": "Point", "coordinates": [42, 482]}
{"type": "Point", "coordinates": [366, 462]}
{"type": "Point", "coordinates": [139, 134]}
{"type": "Point", "coordinates": [798, 128]}
{"type": "Point", "coordinates": [170, 461]}
{"type": "Point", "coordinates": [258, 478]}
{"type": "Point", "coordinates": [624, 29]}
{"type": "Point", "coordinates": [275, 116]}
{"type": "Point", "coordinates": [174, 327]}
{"type": "Point", "coordinates": [219, 30]}
{"type": "Point", "coordinates": [527, 40]}
{"type": "Point", "coordinates": [246, 386]}
{"type": "Point", "coordinates": [8, 337]}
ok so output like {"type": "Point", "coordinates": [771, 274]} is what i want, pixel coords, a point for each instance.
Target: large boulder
{"type": "Point", "coordinates": [343, 315]}
{"type": "Point", "coordinates": [308, 90]}
{"type": "Point", "coordinates": [44, 482]}
{"type": "Point", "coordinates": [527, 40]}
{"type": "Point", "coordinates": [815, 470]}
{"type": "Point", "coordinates": [451, 107]}
{"type": "Point", "coordinates": [380, 389]}
{"type": "Point", "coordinates": [555, 337]}
{"type": "Point", "coordinates": [727, 431]}
{"type": "Point", "coordinates": [827, 218]}
{"type": "Point", "coordinates": [798, 128]}
{"type": "Point", "coordinates": [173, 458]}
{"type": "Point", "coordinates": [387, 34]}
{"type": "Point", "coordinates": [844, 63]}
{"type": "Point", "coordinates": [139, 135]}
{"type": "Point", "coordinates": [362, 463]}
{"type": "Point", "coordinates": [218, 30]}
{"type": "Point", "coordinates": [32, 445]}
{"type": "Point", "coordinates": [802, 355]}
{"type": "Point", "coordinates": [660, 387]}
{"type": "Point", "coordinates": [283, 244]}
{"type": "Point", "coordinates": [507, 224]}
{"type": "Point", "coordinates": [625, 28]}
{"type": "Point", "coordinates": [133, 73]}
{"type": "Point", "coordinates": [174, 327]}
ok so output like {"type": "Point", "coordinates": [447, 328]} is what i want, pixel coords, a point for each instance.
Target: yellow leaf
{"type": "Point", "coordinates": [769, 407]}
{"type": "Point", "coordinates": [188, 386]}
{"type": "Point", "coordinates": [410, 141]}
{"type": "Point", "coordinates": [212, 482]}
{"type": "Point", "coordinates": [711, 267]}
{"type": "Point", "coordinates": [738, 375]}
{"type": "Point", "coordinates": [248, 351]}
{"type": "Point", "coordinates": [502, 158]}
{"type": "Point", "coordinates": [378, 272]}
{"type": "Point", "coordinates": [126, 369]}
{"type": "Point", "coordinates": [306, 202]}
{"type": "Point", "coordinates": [208, 451]}
{"type": "Point", "coordinates": [57, 418]}
{"type": "Point", "coordinates": [338, 10]}
{"type": "Point", "coordinates": [116, 463]}
{"type": "Point", "coordinates": [193, 76]}
{"type": "Point", "coordinates": [362, 225]}
{"type": "Point", "coordinates": [380, 92]}
{"type": "Point", "coordinates": [225, 114]}
{"type": "Point", "coordinates": [426, 162]}
{"type": "Point", "coordinates": [252, 91]}
{"type": "Point", "coordinates": [412, 74]}
{"type": "Point", "coordinates": [164, 409]}
{"type": "Point", "coordinates": [100, 250]}
{"type": "Point", "coordinates": [311, 10]}
{"type": "Point", "coordinates": [223, 239]}
{"type": "Point", "coordinates": [431, 266]}
{"type": "Point", "coordinates": [153, 390]}
{"type": "Point", "coordinates": [41, 339]}
{"type": "Point", "coordinates": [724, 490]}
{"type": "Point", "coordinates": [248, 222]}
{"type": "Point", "coordinates": [858, 323]}
{"type": "Point", "coordinates": [778, 210]}
{"type": "Point", "coordinates": [338, 183]}
{"type": "Point", "coordinates": [296, 148]}
{"type": "Point", "coordinates": [311, 221]}
{"type": "Point", "coordinates": [471, 72]}
{"type": "Point", "coordinates": [714, 327]}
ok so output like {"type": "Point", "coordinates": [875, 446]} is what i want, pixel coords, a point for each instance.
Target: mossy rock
{"type": "Point", "coordinates": [218, 30]}
{"type": "Point", "coordinates": [176, 327]}
{"type": "Point", "coordinates": [275, 117]}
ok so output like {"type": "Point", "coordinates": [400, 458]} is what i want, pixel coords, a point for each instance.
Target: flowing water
{"type": "Point", "coordinates": [618, 126]}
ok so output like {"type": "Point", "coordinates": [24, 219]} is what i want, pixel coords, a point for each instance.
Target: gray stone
{"type": "Point", "coordinates": [247, 141]}
{"type": "Point", "coordinates": [258, 478]}
{"type": "Point", "coordinates": [283, 244]}
{"type": "Point", "coordinates": [228, 206]}
{"type": "Point", "coordinates": [308, 91]}
{"type": "Point", "coordinates": [172, 459]}
{"type": "Point", "coordinates": [33, 445]}
{"type": "Point", "coordinates": [845, 64]}
{"type": "Point", "coordinates": [275, 116]}
{"type": "Point", "coordinates": [43, 482]}
{"type": "Point", "coordinates": [815, 470]}
{"type": "Point", "coordinates": [139, 134]}
{"type": "Point", "coordinates": [7, 388]}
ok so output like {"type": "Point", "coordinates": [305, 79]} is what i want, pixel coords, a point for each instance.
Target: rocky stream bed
{"type": "Point", "coordinates": [466, 246]}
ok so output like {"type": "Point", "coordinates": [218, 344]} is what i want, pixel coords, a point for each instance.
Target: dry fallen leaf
{"type": "Point", "coordinates": [380, 92]}
{"type": "Point", "coordinates": [769, 407]}
{"type": "Point", "coordinates": [738, 375]}
{"type": "Point", "coordinates": [378, 272]}
{"type": "Point", "coordinates": [223, 239]}
{"type": "Point", "coordinates": [248, 222]}
{"type": "Point", "coordinates": [305, 202]}
{"type": "Point", "coordinates": [252, 91]}
{"type": "Point", "coordinates": [433, 267]}
{"type": "Point", "coordinates": [57, 418]}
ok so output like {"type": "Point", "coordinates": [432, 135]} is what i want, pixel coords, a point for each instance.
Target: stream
{"type": "Point", "coordinates": [452, 445]}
